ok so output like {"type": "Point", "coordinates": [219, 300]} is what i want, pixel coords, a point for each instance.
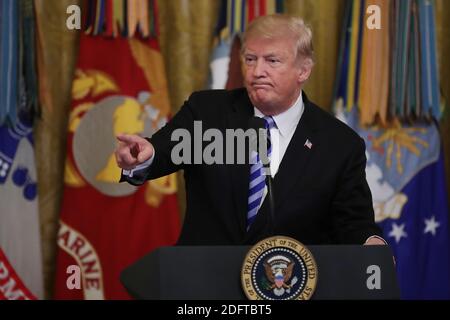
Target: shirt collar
{"type": "Point", "coordinates": [287, 120]}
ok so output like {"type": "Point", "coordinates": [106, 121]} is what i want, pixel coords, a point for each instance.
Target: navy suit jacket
{"type": "Point", "coordinates": [321, 195]}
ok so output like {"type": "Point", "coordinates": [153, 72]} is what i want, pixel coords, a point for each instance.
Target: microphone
{"type": "Point", "coordinates": [261, 144]}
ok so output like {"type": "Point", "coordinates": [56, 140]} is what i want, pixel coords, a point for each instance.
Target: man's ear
{"type": "Point", "coordinates": [305, 70]}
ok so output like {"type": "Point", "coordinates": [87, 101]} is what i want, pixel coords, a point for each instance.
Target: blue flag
{"type": "Point", "coordinates": [420, 237]}
{"type": "Point", "coordinates": [405, 172]}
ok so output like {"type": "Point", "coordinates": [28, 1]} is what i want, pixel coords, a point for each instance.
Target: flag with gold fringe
{"type": "Point", "coordinates": [119, 87]}
{"type": "Point", "coordinates": [387, 90]}
{"type": "Point", "coordinates": [20, 242]}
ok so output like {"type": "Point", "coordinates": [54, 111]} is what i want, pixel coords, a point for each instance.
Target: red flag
{"type": "Point", "coordinates": [119, 87]}
{"type": "Point", "coordinates": [11, 286]}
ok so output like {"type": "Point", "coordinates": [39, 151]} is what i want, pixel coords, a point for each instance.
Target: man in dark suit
{"type": "Point", "coordinates": [320, 193]}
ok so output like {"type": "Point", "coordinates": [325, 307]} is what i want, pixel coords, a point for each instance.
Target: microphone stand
{"type": "Point", "coordinates": [269, 182]}
{"type": "Point", "coordinates": [270, 196]}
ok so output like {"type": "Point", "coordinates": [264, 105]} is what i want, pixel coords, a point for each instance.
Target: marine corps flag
{"type": "Point", "coordinates": [119, 87]}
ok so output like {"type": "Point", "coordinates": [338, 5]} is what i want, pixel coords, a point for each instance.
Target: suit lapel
{"type": "Point", "coordinates": [292, 166]}
{"type": "Point", "coordinates": [301, 147]}
{"type": "Point", "coordinates": [238, 118]}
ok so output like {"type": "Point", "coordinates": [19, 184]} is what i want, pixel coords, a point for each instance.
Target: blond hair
{"type": "Point", "coordinates": [282, 25]}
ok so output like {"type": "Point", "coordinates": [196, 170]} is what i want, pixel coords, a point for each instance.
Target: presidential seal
{"type": "Point", "coordinates": [279, 268]}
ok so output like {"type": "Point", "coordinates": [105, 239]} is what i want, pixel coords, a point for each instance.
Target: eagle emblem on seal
{"type": "Point", "coordinates": [278, 270]}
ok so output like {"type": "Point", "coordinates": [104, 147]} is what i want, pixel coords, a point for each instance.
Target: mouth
{"type": "Point", "coordinates": [261, 85]}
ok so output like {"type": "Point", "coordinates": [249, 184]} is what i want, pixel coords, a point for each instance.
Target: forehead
{"type": "Point", "coordinates": [269, 46]}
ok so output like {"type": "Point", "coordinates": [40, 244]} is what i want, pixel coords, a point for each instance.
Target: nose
{"type": "Point", "coordinates": [259, 69]}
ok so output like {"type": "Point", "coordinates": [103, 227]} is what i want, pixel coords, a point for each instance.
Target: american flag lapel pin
{"type": "Point", "coordinates": [308, 144]}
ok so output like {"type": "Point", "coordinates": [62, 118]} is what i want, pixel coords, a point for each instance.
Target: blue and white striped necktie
{"type": "Point", "coordinates": [257, 177]}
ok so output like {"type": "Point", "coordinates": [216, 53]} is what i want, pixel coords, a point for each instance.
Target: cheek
{"type": "Point", "coordinates": [286, 83]}
{"type": "Point", "coordinates": [246, 72]}
{"type": "Point", "coordinates": [247, 77]}
{"type": "Point", "coordinates": [247, 82]}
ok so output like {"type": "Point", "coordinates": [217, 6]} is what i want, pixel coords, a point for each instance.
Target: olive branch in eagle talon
{"type": "Point", "coordinates": [397, 138]}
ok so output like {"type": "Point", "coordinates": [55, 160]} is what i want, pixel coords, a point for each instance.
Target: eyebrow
{"type": "Point", "coordinates": [268, 55]}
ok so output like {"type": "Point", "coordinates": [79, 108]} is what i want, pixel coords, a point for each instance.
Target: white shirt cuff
{"type": "Point", "coordinates": [143, 165]}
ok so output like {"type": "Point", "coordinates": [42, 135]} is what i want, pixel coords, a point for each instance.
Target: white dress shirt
{"type": "Point", "coordinates": [286, 123]}
{"type": "Point", "coordinates": [280, 136]}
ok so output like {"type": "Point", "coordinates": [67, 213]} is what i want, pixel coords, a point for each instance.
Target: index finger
{"type": "Point", "coordinates": [128, 139]}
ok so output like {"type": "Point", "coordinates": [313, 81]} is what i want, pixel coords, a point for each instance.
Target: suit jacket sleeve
{"type": "Point", "coordinates": [352, 208]}
{"type": "Point", "coordinates": [162, 164]}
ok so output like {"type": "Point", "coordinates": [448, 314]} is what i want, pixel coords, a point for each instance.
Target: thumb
{"type": "Point", "coordinates": [145, 154]}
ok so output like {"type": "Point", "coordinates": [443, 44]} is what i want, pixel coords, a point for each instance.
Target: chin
{"type": "Point", "coordinates": [261, 100]}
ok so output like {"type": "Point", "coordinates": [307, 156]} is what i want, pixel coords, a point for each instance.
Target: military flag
{"type": "Point", "coordinates": [20, 242]}
{"type": "Point", "coordinates": [405, 167]}
{"type": "Point", "coordinates": [119, 87]}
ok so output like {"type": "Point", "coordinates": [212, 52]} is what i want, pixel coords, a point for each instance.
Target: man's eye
{"type": "Point", "coordinates": [249, 60]}
{"type": "Point", "coordinates": [273, 61]}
